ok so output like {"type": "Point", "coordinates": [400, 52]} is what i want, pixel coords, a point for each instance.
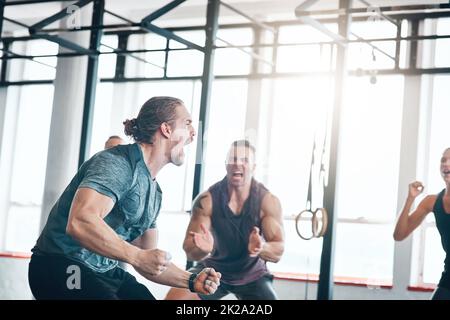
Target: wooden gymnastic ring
{"type": "Point", "coordinates": [315, 223]}
{"type": "Point", "coordinates": [296, 225]}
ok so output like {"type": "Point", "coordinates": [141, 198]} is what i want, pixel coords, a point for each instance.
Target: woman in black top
{"type": "Point", "coordinates": [439, 204]}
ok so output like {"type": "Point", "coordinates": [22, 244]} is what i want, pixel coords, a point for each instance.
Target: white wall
{"type": "Point", "coordinates": [295, 290]}
{"type": "Point", "coordinates": [14, 279]}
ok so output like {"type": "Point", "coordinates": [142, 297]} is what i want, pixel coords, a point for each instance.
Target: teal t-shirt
{"type": "Point", "coordinates": [121, 174]}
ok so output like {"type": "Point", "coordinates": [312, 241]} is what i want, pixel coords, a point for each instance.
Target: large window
{"type": "Point", "coordinates": [369, 162]}
{"type": "Point", "coordinates": [429, 254]}
{"type": "Point", "coordinates": [299, 115]}
{"type": "Point", "coordinates": [432, 263]}
{"type": "Point", "coordinates": [368, 177]}
{"type": "Point", "coordinates": [297, 53]}
{"type": "Point", "coordinates": [24, 144]}
{"type": "Point", "coordinates": [226, 124]}
{"type": "Point", "coordinates": [147, 64]}
{"type": "Point", "coordinates": [233, 61]}
{"type": "Point", "coordinates": [29, 164]}
{"type": "Point", "coordinates": [107, 62]}
{"type": "Point", "coordinates": [37, 69]}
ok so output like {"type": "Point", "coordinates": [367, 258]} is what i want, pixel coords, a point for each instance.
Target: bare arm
{"type": "Point", "coordinates": [198, 242]}
{"type": "Point", "coordinates": [272, 228]}
{"type": "Point", "coordinates": [86, 225]}
{"type": "Point", "coordinates": [407, 222]}
{"type": "Point", "coordinates": [148, 240]}
{"type": "Point", "coordinates": [206, 282]}
{"type": "Point", "coordinates": [174, 276]}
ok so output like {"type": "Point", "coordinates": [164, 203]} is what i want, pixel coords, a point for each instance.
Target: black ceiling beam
{"type": "Point", "coordinates": [36, 31]}
{"type": "Point", "coordinates": [162, 11]}
{"type": "Point", "coordinates": [407, 16]}
{"type": "Point", "coordinates": [170, 35]}
{"type": "Point", "coordinates": [262, 45]}
{"type": "Point", "coordinates": [55, 17]}
{"type": "Point", "coordinates": [381, 72]}
{"type": "Point", "coordinates": [25, 2]}
{"type": "Point", "coordinates": [388, 9]}
{"type": "Point", "coordinates": [146, 24]}
{"type": "Point", "coordinates": [63, 42]}
{"type": "Point", "coordinates": [90, 28]}
{"type": "Point", "coordinates": [243, 14]}
{"type": "Point", "coordinates": [15, 22]}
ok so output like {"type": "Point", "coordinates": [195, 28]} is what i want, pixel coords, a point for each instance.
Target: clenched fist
{"type": "Point", "coordinates": [154, 261]}
{"type": "Point", "coordinates": [207, 281]}
{"type": "Point", "coordinates": [415, 189]}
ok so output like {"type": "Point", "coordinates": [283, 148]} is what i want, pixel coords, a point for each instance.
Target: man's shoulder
{"type": "Point", "coordinates": [269, 197]}
{"type": "Point", "coordinates": [203, 202]}
{"type": "Point", "coordinates": [217, 185]}
{"type": "Point", "coordinates": [261, 186]}
{"type": "Point", "coordinates": [109, 163]}
{"type": "Point", "coordinates": [270, 202]}
{"type": "Point", "coordinates": [127, 151]}
{"type": "Point", "coordinates": [122, 155]}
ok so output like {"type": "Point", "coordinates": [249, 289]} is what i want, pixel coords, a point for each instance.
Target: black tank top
{"type": "Point", "coordinates": [231, 232]}
{"type": "Point", "coordinates": [443, 226]}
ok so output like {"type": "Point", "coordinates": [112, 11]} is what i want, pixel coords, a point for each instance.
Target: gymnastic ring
{"type": "Point", "coordinates": [296, 224]}
{"type": "Point", "coordinates": [315, 223]}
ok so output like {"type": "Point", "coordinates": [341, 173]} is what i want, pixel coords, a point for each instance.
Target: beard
{"type": "Point", "coordinates": [177, 154]}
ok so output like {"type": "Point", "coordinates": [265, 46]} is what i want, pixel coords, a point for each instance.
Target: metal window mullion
{"type": "Point", "coordinates": [207, 78]}
{"type": "Point", "coordinates": [275, 47]}
{"type": "Point", "coordinates": [91, 82]}
{"type": "Point", "coordinates": [121, 59]}
{"type": "Point", "coordinates": [398, 45]}
{"type": "Point", "coordinates": [326, 279]}
{"type": "Point", "coordinates": [166, 57]}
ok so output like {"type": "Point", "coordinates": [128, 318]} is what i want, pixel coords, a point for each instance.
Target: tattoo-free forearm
{"type": "Point", "coordinates": [402, 228]}
{"type": "Point", "coordinates": [94, 234]}
{"type": "Point", "coordinates": [172, 276]}
{"type": "Point", "coordinates": [193, 253]}
{"type": "Point", "coordinates": [272, 251]}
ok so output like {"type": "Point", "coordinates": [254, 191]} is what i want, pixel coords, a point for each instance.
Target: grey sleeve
{"type": "Point", "coordinates": [154, 225]}
{"type": "Point", "coordinates": [108, 174]}
{"type": "Point", "coordinates": [158, 194]}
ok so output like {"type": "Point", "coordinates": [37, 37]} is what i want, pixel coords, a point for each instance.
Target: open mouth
{"type": "Point", "coordinates": [238, 174]}
{"type": "Point", "coordinates": [446, 172]}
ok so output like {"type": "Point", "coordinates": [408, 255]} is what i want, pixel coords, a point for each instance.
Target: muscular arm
{"type": "Point", "coordinates": [86, 225]}
{"type": "Point", "coordinates": [201, 214]}
{"type": "Point", "coordinates": [148, 240]}
{"type": "Point", "coordinates": [172, 276]}
{"type": "Point", "coordinates": [406, 222]}
{"type": "Point", "coordinates": [272, 229]}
